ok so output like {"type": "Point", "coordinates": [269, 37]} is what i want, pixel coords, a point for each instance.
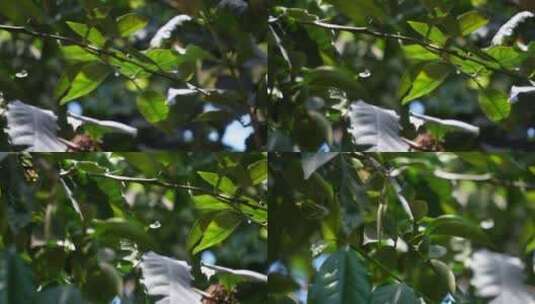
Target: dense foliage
{"type": "Point", "coordinates": [144, 74]}
{"type": "Point", "coordinates": [442, 75]}
{"type": "Point", "coordinates": [400, 228]}
{"type": "Point", "coordinates": [92, 228]}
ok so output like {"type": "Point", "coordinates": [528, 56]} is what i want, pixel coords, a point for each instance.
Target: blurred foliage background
{"type": "Point", "coordinates": [63, 216]}
{"type": "Point", "coordinates": [328, 215]}
{"type": "Point", "coordinates": [315, 73]}
{"type": "Point", "coordinates": [216, 46]}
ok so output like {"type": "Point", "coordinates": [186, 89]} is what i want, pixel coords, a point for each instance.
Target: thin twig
{"type": "Point", "coordinates": [154, 181]}
{"type": "Point", "coordinates": [433, 48]}
{"type": "Point", "coordinates": [98, 51]}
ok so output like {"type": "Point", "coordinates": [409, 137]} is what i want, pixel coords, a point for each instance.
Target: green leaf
{"type": "Point", "coordinates": [416, 52]}
{"type": "Point", "coordinates": [358, 11]}
{"type": "Point", "coordinates": [342, 279]}
{"type": "Point", "coordinates": [86, 81]}
{"type": "Point", "coordinates": [470, 21]}
{"type": "Point", "coordinates": [218, 230]}
{"type": "Point", "coordinates": [20, 11]}
{"type": "Point", "coordinates": [77, 53]}
{"type": "Point", "coordinates": [153, 106]}
{"type": "Point", "coordinates": [445, 274]}
{"type": "Point", "coordinates": [130, 23]}
{"type": "Point", "coordinates": [207, 203]}
{"type": "Point", "coordinates": [398, 293]}
{"type": "Point", "coordinates": [430, 77]}
{"type": "Point", "coordinates": [454, 225]}
{"type": "Point", "coordinates": [258, 171]}
{"type": "Point", "coordinates": [432, 33]}
{"type": "Point", "coordinates": [296, 13]}
{"type": "Point", "coordinates": [222, 183]}
{"type": "Point", "coordinates": [166, 60]}
{"type": "Point", "coordinates": [112, 230]}
{"type": "Point", "coordinates": [506, 57]}
{"type": "Point", "coordinates": [15, 279]}
{"type": "Point", "coordinates": [90, 34]}
{"type": "Point", "coordinates": [495, 104]}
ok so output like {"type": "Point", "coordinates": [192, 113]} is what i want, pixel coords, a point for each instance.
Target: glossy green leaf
{"type": "Point", "coordinates": [220, 182]}
{"type": "Point", "coordinates": [90, 34]}
{"type": "Point", "coordinates": [218, 229]}
{"type": "Point", "coordinates": [454, 225]}
{"type": "Point", "coordinates": [432, 33]}
{"type": "Point", "coordinates": [77, 53]}
{"type": "Point", "coordinates": [130, 23]}
{"type": "Point", "coordinates": [495, 104]}
{"type": "Point", "coordinates": [470, 21]}
{"type": "Point", "coordinates": [342, 279]}
{"type": "Point", "coordinates": [430, 77]}
{"type": "Point", "coordinates": [165, 60]}
{"type": "Point", "coordinates": [398, 293]}
{"type": "Point", "coordinates": [207, 203]}
{"type": "Point", "coordinates": [506, 57]}
{"type": "Point", "coordinates": [153, 106]}
{"type": "Point", "coordinates": [89, 78]}
{"type": "Point", "coordinates": [416, 52]}
{"type": "Point", "coordinates": [258, 171]}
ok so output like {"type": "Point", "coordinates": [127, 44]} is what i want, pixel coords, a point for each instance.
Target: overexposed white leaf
{"type": "Point", "coordinates": [243, 274]}
{"type": "Point", "coordinates": [168, 279]}
{"type": "Point", "coordinates": [507, 30]}
{"type": "Point", "coordinates": [500, 277]}
{"type": "Point", "coordinates": [173, 93]}
{"type": "Point", "coordinates": [166, 31]}
{"type": "Point", "coordinates": [515, 91]}
{"type": "Point", "coordinates": [33, 127]}
{"type": "Point", "coordinates": [419, 119]}
{"type": "Point", "coordinates": [375, 128]}
{"type": "Point", "coordinates": [76, 121]}
{"type": "Point", "coordinates": [171, 279]}
{"type": "Point", "coordinates": [312, 161]}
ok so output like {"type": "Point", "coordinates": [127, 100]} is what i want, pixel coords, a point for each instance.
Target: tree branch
{"type": "Point", "coordinates": [99, 52]}
{"type": "Point", "coordinates": [430, 47]}
{"type": "Point", "coordinates": [154, 181]}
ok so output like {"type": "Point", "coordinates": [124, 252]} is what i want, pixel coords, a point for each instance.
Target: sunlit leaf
{"type": "Point", "coordinates": [130, 23]}
{"type": "Point", "coordinates": [495, 104]}
{"type": "Point", "coordinates": [430, 77]}
{"type": "Point", "coordinates": [471, 21]}
{"type": "Point", "coordinates": [153, 106]}
{"type": "Point", "coordinates": [88, 79]}
{"type": "Point", "coordinates": [218, 229]}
